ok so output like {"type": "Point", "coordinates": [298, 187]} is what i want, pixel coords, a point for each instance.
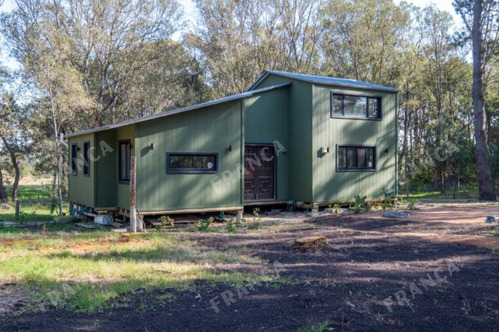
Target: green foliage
{"type": "Point", "coordinates": [256, 213]}
{"type": "Point", "coordinates": [315, 328]}
{"type": "Point", "coordinates": [232, 226]}
{"type": "Point", "coordinates": [388, 199]}
{"type": "Point", "coordinates": [412, 204]}
{"type": "Point", "coordinates": [254, 225]}
{"type": "Point", "coordinates": [359, 202]}
{"type": "Point", "coordinates": [166, 221]}
{"type": "Point", "coordinates": [205, 224]}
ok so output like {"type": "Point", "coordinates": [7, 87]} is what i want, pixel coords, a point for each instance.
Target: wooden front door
{"type": "Point", "coordinates": [260, 172]}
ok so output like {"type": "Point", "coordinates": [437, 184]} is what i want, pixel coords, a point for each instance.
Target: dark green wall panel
{"type": "Point", "coordinates": [210, 129]}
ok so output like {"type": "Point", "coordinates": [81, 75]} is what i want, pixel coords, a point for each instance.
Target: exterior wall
{"type": "Point", "coordinates": [330, 185]}
{"type": "Point", "coordinates": [106, 167]}
{"type": "Point", "coordinates": [81, 188]}
{"type": "Point", "coordinates": [209, 129]}
{"type": "Point", "coordinates": [267, 119]}
{"type": "Point", "coordinates": [123, 189]}
{"type": "Point", "coordinates": [299, 136]}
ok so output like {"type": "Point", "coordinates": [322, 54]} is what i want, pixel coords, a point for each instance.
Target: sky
{"type": "Point", "coordinates": [190, 13]}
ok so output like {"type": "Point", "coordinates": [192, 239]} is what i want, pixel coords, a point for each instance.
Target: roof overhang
{"type": "Point", "coordinates": [340, 82]}
{"type": "Point", "coordinates": [180, 110]}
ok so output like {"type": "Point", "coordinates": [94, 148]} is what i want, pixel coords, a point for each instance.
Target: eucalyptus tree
{"type": "Point", "coordinates": [106, 42]}
{"type": "Point", "coordinates": [240, 39]}
{"type": "Point", "coordinates": [480, 18]}
{"type": "Point", "coordinates": [362, 39]}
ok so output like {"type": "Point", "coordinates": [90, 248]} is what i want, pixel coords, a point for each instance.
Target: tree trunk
{"type": "Point", "coordinates": [3, 194]}
{"type": "Point", "coordinates": [485, 180]}
{"type": "Point", "coordinates": [17, 171]}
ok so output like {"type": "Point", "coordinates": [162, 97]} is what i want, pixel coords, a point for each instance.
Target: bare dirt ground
{"type": "Point", "coordinates": [436, 270]}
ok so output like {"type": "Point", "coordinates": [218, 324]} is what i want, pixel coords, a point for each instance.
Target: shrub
{"type": "Point", "coordinates": [358, 203]}
{"type": "Point", "coordinates": [205, 224]}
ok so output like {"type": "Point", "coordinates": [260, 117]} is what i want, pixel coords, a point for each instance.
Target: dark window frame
{"type": "Point", "coordinates": [171, 170]}
{"type": "Point", "coordinates": [125, 180]}
{"type": "Point", "coordinates": [335, 115]}
{"type": "Point", "coordinates": [355, 169]}
{"type": "Point", "coordinates": [74, 159]}
{"type": "Point", "coordinates": [86, 158]}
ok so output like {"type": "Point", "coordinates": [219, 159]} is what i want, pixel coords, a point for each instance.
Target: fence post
{"type": "Point", "coordinates": [18, 204]}
{"type": "Point", "coordinates": [133, 213]}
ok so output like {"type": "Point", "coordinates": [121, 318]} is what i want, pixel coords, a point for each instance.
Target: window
{"type": "Point", "coordinates": [192, 163]}
{"type": "Point", "coordinates": [74, 159]}
{"type": "Point", "coordinates": [355, 158]}
{"type": "Point", "coordinates": [86, 159]}
{"type": "Point", "coordinates": [124, 161]}
{"type": "Point", "coordinates": [359, 107]}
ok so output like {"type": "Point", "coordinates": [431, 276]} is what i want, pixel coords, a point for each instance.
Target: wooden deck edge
{"type": "Point", "coordinates": [260, 203]}
{"type": "Point", "coordinates": [234, 209]}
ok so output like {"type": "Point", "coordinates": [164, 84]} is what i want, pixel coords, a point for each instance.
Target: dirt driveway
{"type": "Point", "coordinates": [435, 270]}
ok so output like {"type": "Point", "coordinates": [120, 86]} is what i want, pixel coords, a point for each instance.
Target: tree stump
{"type": "Point", "coordinates": [311, 243]}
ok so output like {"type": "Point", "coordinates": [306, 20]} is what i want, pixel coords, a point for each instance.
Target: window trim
{"type": "Point", "coordinates": [343, 116]}
{"type": "Point", "coordinates": [74, 159]}
{"type": "Point", "coordinates": [120, 142]}
{"type": "Point", "coordinates": [86, 162]}
{"type": "Point", "coordinates": [215, 170]}
{"type": "Point", "coordinates": [337, 148]}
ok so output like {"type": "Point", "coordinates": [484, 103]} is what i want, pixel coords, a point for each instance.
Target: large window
{"type": "Point", "coordinates": [86, 159]}
{"type": "Point", "coordinates": [359, 107]}
{"type": "Point", "coordinates": [192, 163]}
{"type": "Point", "coordinates": [356, 158]}
{"type": "Point", "coordinates": [124, 161]}
{"type": "Point", "coordinates": [74, 159]}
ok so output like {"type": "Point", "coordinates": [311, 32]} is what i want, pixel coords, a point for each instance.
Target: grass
{"type": "Point", "coordinates": [84, 271]}
{"type": "Point", "coordinates": [315, 328]}
{"type": "Point", "coordinates": [30, 191]}
{"type": "Point", "coordinates": [465, 193]}
{"type": "Point", "coordinates": [30, 213]}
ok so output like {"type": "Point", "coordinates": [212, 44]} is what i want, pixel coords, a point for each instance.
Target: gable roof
{"type": "Point", "coordinates": [180, 110]}
{"type": "Point", "coordinates": [343, 82]}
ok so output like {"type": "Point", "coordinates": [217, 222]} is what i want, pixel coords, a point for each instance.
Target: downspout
{"type": "Point", "coordinates": [62, 140]}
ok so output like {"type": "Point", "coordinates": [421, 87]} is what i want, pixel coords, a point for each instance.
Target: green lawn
{"type": "Point", "coordinates": [83, 271]}
{"type": "Point", "coordinates": [30, 191]}
{"type": "Point", "coordinates": [36, 212]}
{"type": "Point", "coordinates": [30, 213]}
{"type": "Point", "coordinates": [465, 193]}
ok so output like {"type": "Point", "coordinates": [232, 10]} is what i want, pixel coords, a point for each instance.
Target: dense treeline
{"type": "Point", "coordinates": [87, 63]}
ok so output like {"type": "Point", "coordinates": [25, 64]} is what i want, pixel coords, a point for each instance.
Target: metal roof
{"type": "Point", "coordinates": [342, 82]}
{"type": "Point", "coordinates": [180, 110]}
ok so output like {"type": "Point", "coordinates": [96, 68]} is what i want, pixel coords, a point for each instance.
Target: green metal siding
{"type": "Point", "coordinates": [81, 188]}
{"type": "Point", "coordinates": [299, 136]}
{"type": "Point", "coordinates": [210, 129]}
{"type": "Point", "coordinates": [106, 169]}
{"type": "Point", "coordinates": [330, 185]}
{"type": "Point", "coordinates": [267, 119]}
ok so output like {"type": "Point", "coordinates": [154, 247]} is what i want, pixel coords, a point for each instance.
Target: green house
{"type": "Point", "coordinates": [289, 137]}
